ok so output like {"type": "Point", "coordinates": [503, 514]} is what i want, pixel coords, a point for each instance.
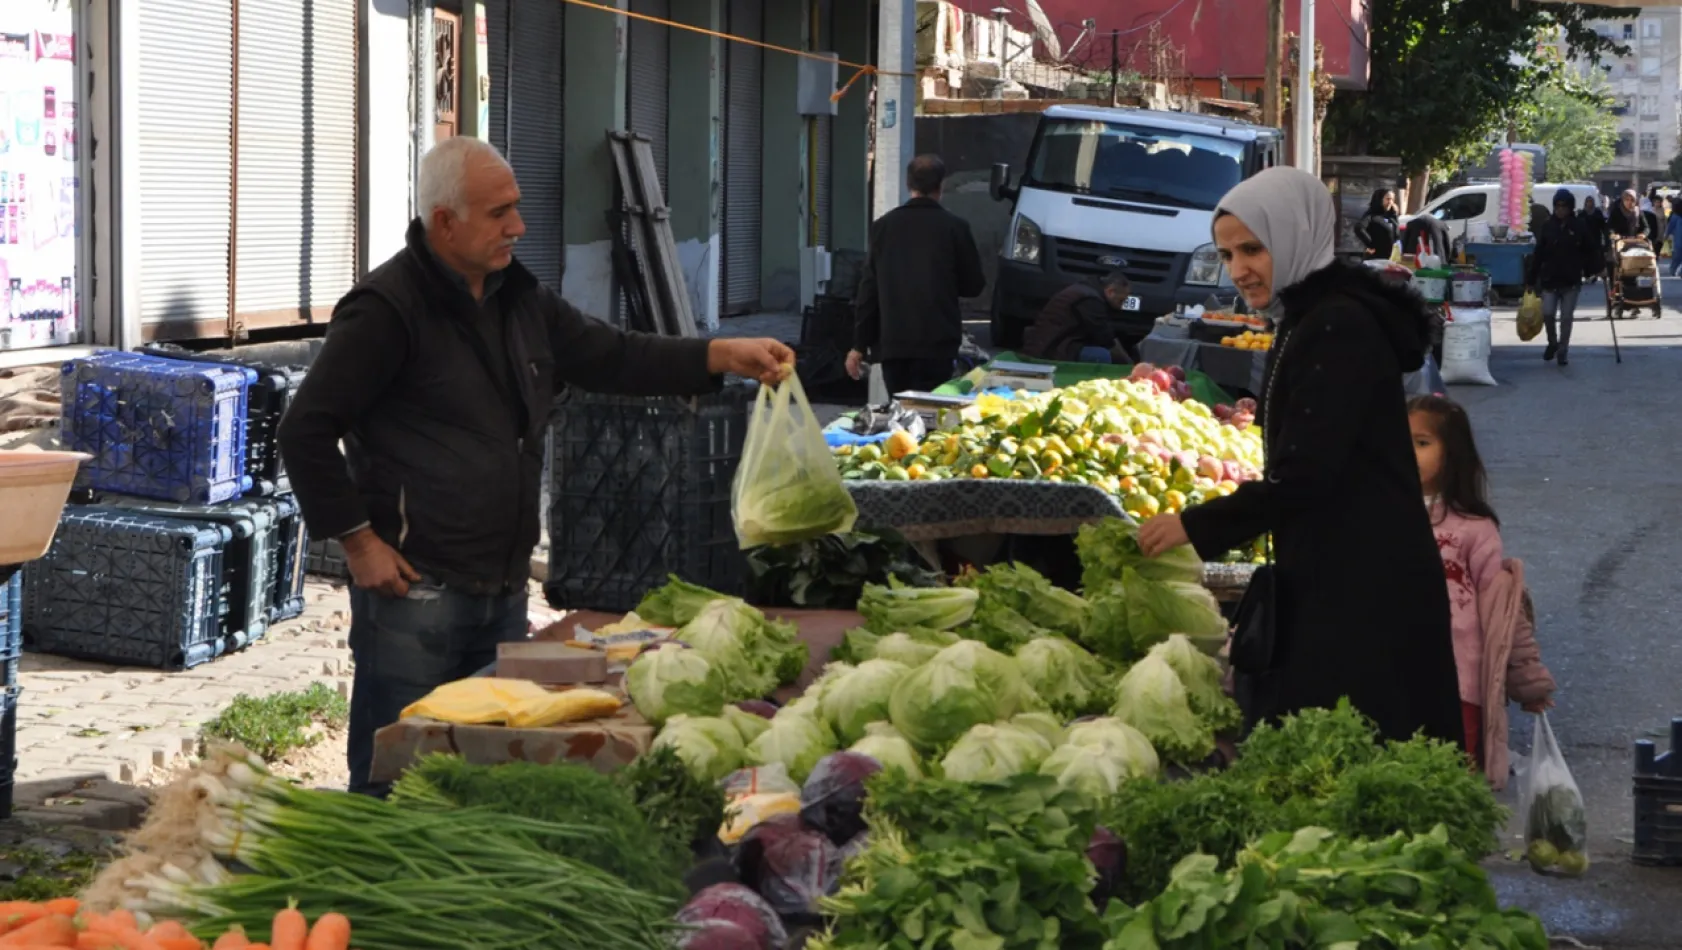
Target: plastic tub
{"type": "Point", "coordinates": [33, 489]}
{"type": "Point", "coordinates": [1469, 287]}
{"type": "Point", "coordinates": [1432, 284]}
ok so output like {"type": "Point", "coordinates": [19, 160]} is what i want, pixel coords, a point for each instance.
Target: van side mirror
{"type": "Point", "coordinates": [999, 185]}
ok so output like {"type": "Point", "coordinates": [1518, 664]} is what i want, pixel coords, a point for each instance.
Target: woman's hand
{"type": "Point", "coordinates": [1162, 534]}
{"type": "Point", "coordinates": [1539, 706]}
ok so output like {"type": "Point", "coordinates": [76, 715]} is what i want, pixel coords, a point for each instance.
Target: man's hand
{"type": "Point", "coordinates": [765, 360]}
{"type": "Point", "coordinates": [1162, 534]}
{"type": "Point", "coordinates": [855, 364]}
{"type": "Point", "coordinates": [376, 565]}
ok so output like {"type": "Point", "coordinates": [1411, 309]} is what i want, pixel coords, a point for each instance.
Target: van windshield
{"type": "Point", "coordinates": [1114, 160]}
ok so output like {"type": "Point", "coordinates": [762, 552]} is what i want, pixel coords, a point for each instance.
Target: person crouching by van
{"type": "Point", "coordinates": [1074, 326]}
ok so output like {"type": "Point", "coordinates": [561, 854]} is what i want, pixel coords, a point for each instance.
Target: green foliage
{"type": "Point", "coordinates": [1574, 121]}
{"type": "Point", "coordinates": [680, 807]}
{"type": "Point", "coordinates": [1447, 75]}
{"type": "Point", "coordinates": [41, 876]}
{"type": "Point", "coordinates": [272, 727]}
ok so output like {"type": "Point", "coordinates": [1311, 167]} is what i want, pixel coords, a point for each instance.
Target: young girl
{"type": "Point", "coordinates": [1494, 623]}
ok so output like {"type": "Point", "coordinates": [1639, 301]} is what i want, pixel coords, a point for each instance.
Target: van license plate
{"type": "Point", "coordinates": [1131, 303]}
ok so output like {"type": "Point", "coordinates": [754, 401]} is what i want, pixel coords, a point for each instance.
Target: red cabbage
{"type": "Point", "coordinates": [758, 707]}
{"type": "Point", "coordinates": [740, 906]}
{"type": "Point", "coordinates": [790, 866]}
{"type": "Point", "coordinates": [718, 935]}
{"type": "Point", "coordinates": [832, 800]}
{"type": "Point", "coordinates": [1108, 854]}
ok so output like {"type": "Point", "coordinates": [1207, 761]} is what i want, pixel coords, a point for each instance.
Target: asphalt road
{"type": "Point", "coordinates": [1581, 465]}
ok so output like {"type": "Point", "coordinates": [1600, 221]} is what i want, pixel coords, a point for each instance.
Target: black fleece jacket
{"type": "Point", "coordinates": [444, 437]}
{"type": "Point", "coordinates": [922, 259]}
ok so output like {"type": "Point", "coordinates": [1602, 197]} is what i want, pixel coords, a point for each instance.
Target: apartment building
{"type": "Point", "coordinates": [1646, 86]}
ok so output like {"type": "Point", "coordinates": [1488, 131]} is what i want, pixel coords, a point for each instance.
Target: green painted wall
{"type": "Point", "coordinates": [595, 102]}
{"type": "Point", "coordinates": [783, 171]}
{"type": "Point", "coordinates": [695, 124]}
{"type": "Point", "coordinates": [850, 194]}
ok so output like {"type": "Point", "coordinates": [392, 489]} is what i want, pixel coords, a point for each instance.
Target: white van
{"type": "Point", "coordinates": [1459, 207]}
{"type": "Point", "coordinates": [1132, 190]}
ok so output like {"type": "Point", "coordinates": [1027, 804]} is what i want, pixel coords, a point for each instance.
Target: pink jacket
{"type": "Point", "coordinates": [1512, 662]}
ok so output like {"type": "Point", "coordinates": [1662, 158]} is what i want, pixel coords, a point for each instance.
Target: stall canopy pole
{"type": "Point", "coordinates": [1303, 105]}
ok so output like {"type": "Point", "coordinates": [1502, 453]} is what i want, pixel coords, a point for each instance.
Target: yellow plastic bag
{"type": "Point", "coordinates": [787, 488]}
{"type": "Point", "coordinates": [484, 700]}
{"type": "Point", "coordinates": [1529, 316]}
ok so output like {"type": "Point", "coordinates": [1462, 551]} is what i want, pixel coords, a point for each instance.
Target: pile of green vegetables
{"type": "Point", "coordinates": [831, 571]}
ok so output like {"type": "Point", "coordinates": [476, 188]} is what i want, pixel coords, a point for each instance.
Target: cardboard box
{"type": "Point", "coordinates": [548, 663]}
{"type": "Point", "coordinates": [605, 745]}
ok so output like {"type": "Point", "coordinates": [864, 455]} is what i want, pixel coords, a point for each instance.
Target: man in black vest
{"type": "Point", "coordinates": [438, 374]}
{"type": "Point", "coordinates": [922, 259]}
{"type": "Point", "coordinates": [1075, 324]}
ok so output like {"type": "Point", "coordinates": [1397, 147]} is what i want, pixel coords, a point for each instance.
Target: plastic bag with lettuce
{"type": "Point", "coordinates": [964, 685]}
{"type": "Point", "coordinates": [787, 488]}
{"type": "Point", "coordinates": [1151, 699]}
{"type": "Point", "coordinates": [671, 680]}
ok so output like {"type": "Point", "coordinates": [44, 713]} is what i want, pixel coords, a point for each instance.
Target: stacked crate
{"type": "Point", "coordinates": [185, 546]}
{"type": "Point", "coordinates": [11, 650]}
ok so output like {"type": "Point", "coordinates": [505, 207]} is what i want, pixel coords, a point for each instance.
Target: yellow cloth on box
{"type": "Point", "coordinates": [485, 700]}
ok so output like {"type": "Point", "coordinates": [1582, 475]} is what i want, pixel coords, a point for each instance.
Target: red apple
{"type": "Point", "coordinates": [1233, 471]}
{"type": "Point", "coordinates": [1178, 372]}
{"type": "Point", "coordinates": [1141, 371]}
{"type": "Point", "coordinates": [1247, 405]}
{"type": "Point", "coordinates": [1163, 381]}
{"type": "Point", "coordinates": [1180, 390]}
{"type": "Point", "coordinates": [1223, 412]}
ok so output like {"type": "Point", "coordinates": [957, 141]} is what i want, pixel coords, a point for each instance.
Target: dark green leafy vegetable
{"type": "Point", "coordinates": [831, 571]}
{"type": "Point", "coordinates": [625, 845]}
{"type": "Point", "coordinates": [1001, 627]}
{"type": "Point", "coordinates": [1385, 795]}
{"type": "Point", "coordinates": [1311, 888]}
{"type": "Point", "coordinates": [1162, 822]}
{"type": "Point", "coordinates": [682, 809]}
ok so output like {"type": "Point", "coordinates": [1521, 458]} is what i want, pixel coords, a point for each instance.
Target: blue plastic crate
{"type": "Point", "coordinates": [8, 747]}
{"type": "Point", "coordinates": [158, 428]}
{"type": "Point", "coordinates": [250, 563]}
{"type": "Point", "coordinates": [267, 402]}
{"type": "Point", "coordinates": [129, 587]}
{"type": "Point", "coordinates": [294, 542]}
{"type": "Point", "coordinates": [11, 629]}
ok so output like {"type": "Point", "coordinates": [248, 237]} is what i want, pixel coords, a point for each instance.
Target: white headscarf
{"type": "Point", "coordinates": [1292, 213]}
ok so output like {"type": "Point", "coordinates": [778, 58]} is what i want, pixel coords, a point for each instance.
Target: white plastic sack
{"type": "Point", "coordinates": [1555, 823]}
{"type": "Point", "coordinates": [1466, 347]}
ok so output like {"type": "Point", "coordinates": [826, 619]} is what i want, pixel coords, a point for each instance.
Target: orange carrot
{"type": "Point", "coordinates": [179, 943]}
{"type": "Point", "coordinates": [54, 930]}
{"type": "Point", "coordinates": [129, 939]}
{"type": "Point", "coordinates": [234, 939]}
{"type": "Point", "coordinates": [169, 930]}
{"type": "Point", "coordinates": [14, 914]}
{"type": "Point", "coordinates": [290, 931]}
{"type": "Point", "coordinates": [68, 906]}
{"type": "Point", "coordinates": [122, 919]}
{"type": "Point", "coordinates": [331, 932]}
{"type": "Point", "coordinates": [258, 946]}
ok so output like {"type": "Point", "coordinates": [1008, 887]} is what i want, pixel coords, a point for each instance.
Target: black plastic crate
{"type": "Point", "coordinates": [294, 542]}
{"type": "Point", "coordinates": [129, 587]}
{"type": "Point", "coordinates": [267, 402]}
{"type": "Point", "coordinates": [8, 747]}
{"type": "Point", "coordinates": [251, 561]}
{"type": "Point", "coordinates": [641, 489]}
{"type": "Point", "coordinates": [327, 559]}
{"type": "Point", "coordinates": [1658, 801]}
{"type": "Point", "coordinates": [11, 629]}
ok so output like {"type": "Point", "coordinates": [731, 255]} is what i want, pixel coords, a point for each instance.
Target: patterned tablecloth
{"type": "Point", "coordinates": [960, 507]}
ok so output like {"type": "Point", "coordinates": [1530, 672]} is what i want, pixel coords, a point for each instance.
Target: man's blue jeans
{"type": "Point", "coordinates": [405, 647]}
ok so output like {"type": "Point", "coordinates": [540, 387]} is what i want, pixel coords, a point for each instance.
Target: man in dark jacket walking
{"type": "Point", "coordinates": [922, 260]}
{"type": "Point", "coordinates": [438, 374]}
{"type": "Point", "coordinates": [1564, 250]}
{"type": "Point", "coordinates": [1074, 326]}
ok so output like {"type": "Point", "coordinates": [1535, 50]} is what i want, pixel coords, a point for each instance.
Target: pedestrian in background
{"type": "Point", "coordinates": [1495, 650]}
{"type": "Point", "coordinates": [1380, 227]}
{"type": "Point", "coordinates": [1594, 225]}
{"type": "Point", "coordinates": [1625, 219]}
{"type": "Point", "coordinates": [437, 375]}
{"type": "Point", "coordinates": [921, 262]}
{"type": "Point", "coordinates": [1075, 324]}
{"type": "Point", "coordinates": [1563, 252]}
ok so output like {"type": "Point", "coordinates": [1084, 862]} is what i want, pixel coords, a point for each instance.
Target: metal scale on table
{"type": "Point", "coordinates": [33, 489]}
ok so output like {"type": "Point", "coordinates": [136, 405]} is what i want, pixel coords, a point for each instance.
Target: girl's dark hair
{"type": "Point", "coordinates": [1465, 485]}
{"type": "Point", "coordinates": [1376, 205]}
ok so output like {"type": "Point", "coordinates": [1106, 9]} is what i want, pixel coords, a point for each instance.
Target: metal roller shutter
{"type": "Point", "coordinates": [650, 78]}
{"type": "Point", "coordinates": [498, 40]}
{"type": "Point", "coordinates": [536, 131]}
{"type": "Point", "coordinates": [186, 159]}
{"type": "Point", "coordinates": [743, 145]}
{"type": "Point", "coordinates": [295, 250]}
{"type": "Point", "coordinates": [822, 186]}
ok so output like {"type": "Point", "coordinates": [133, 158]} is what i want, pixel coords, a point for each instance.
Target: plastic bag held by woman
{"type": "Point", "coordinates": [788, 488]}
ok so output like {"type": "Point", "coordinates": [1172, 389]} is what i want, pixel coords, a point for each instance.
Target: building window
{"type": "Point", "coordinates": [1649, 145]}
{"type": "Point", "coordinates": [1649, 66]}
{"type": "Point", "coordinates": [1650, 28]}
{"type": "Point", "coordinates": [1622, 105]}
{"type": "Point", "coordinates": [1649, 107]}
{"type": "Point", "coordinates": [1629, 31]}
{"type": "Point", "coordinates": [1626, 143]}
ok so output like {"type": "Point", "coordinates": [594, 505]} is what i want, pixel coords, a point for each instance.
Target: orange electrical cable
{"type": "Point", "coordinates": [860, 69]}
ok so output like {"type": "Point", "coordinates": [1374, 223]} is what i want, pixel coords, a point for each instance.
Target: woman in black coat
{"type": "Point", "coordinates": [1361, 602]}
{"type": "Point", "coordinates": [1380, 227]}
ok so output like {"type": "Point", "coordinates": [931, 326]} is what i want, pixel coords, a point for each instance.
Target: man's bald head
{"type": "Point", "coordinates": [469, 202]}
{"type": "Point", "coordinates": [925, 176]}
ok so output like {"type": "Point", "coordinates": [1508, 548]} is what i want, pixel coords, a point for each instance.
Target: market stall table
{"type": "Point", "coordinates": [1505, 263]}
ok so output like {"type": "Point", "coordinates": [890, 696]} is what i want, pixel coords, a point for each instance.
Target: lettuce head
{"type": "Point", "coordinates": [1151, 699]}
{"type": "Point", "coordinates": [673, 680]}
{"type": "Point", "coordinates": [883, 743]}
{"type": "Point", "coordinates": [860, 697]}
{"type": "Point", "coordinates": [1071, 680]}
{"type": "Point", "coordinates": [709, 746]}
{"type": "Point", "coordinates": [993, 752]}
{"type": "Point", "coordinates": [1203, 680]}
{"type": "Point", "coordinates": [963, 685]}
{"type": "Point", "coordinates": [795, 740]}
{"type": "Point", "coordinates": [897, 607]}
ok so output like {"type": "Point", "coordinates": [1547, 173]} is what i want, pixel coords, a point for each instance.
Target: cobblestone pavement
{"type": "Point", "coordinates": [78, 720]}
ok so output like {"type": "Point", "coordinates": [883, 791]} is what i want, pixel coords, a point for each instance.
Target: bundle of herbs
{"type": "Point", "coordinates": [989, 865]}
{"type": "Point", "coordinates": [682, 809]}
{"type": "Point", "coordinates": [831, 571]}
{"type": "Point", "coordinates": [1311, 888]}
{"type": "Point", "coordinates": [623, 844]}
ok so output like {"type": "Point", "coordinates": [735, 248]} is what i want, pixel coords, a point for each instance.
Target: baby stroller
{"type": "Point", "coordinates": [1632, 278]}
